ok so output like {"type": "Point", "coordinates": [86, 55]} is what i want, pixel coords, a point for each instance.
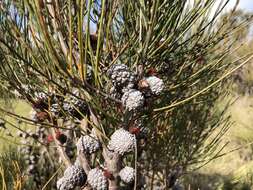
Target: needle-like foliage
{"type": "Point", "coordinates": [64, 49]}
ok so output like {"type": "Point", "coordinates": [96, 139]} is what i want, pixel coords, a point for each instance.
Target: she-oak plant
{"type": "Point", "coordinates": [135, 97]}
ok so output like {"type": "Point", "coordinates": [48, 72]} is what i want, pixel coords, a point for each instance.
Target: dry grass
{"type": "Point", "coordinates": [238, 164]}
{"type": "Point", "coordinates": [18, 107]}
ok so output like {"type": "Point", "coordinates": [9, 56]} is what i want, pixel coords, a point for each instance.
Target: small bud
{"type": "Point", "coordinates": [41, 116]}
{"type": "Point", "coordinates": [201, 60]}
{"type": "Point", "coordinates": [107, 174]}
{"type": "Point", "coordinates": [142, 84]}
{"type": "Point", "coordinates": [62, 138]}
{"type": "Point", "coordinates": [134, 130]}
{"type": "Point", "coordinates": [50, 138]}
{"type": "Point", "coordinates": [152, 72]}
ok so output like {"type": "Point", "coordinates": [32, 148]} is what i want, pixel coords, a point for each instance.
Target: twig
{"type": "Point", "coordinates": [112, 163]}
{"type": "Point", "coordinates": [84, 162]}
{"type": "Point", "coordinates": [61, 151]}
{"type": "Point", "coordinates": [135, 164]}
{"type": "Point", "coordinates": [64, 47]}
{"type": "Point", "coordinates": [81, 156]}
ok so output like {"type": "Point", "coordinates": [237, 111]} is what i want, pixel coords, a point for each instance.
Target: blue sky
{"type": "Point", "coordinates": [246, 5]}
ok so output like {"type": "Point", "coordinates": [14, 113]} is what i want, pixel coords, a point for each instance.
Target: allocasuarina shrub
{"type": "Point", "coordinates": [123, 92]}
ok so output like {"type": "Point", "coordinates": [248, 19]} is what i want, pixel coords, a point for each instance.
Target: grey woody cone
{"type": "Point", "coordinates": [40, 96]}
{"type": "Point", "coordinates": [32, 114]}
{"type": "Point", "coordinates": [88, 144]}
{"type": "Point", "coordinates": [97, 180]}
{"type": "Point", "coordinates": [75, 106]}
{"type": "Point", "coordinates": [75, 175]}
{"type": "Point", "coordinates": [127, 174]}
{"type": "Point", "coordinates": [121, 75]}
{"type": "Point", "coordinates": [121, 141]}
{"type": "Point", "coordinates": [89, 72]}
{"type": "Point", "coordinates": [55, 109]}
{"type": "Point", "coordinates": [156, 85]}
{"type": "Point", "coordinates": [64, 184]}
{"type": "Point", "coordinates": [114, 93]}
{"type": "Point", "coordinates": [71, 104]}
{"type": "Point", "coordinates": [132, 100]}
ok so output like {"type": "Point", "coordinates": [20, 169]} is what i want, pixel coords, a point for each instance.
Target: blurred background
{"type": "Point", "coordinates": [234, 170]}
